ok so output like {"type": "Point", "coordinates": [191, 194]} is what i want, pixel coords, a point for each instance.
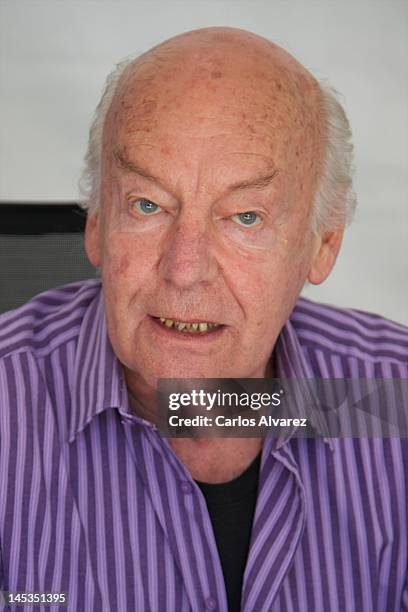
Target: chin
{"type": "Point", "coordinates": [176, 371]}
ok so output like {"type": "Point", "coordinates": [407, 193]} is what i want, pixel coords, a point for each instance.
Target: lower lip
{"type": "Point", "coordinates": [170, 333]}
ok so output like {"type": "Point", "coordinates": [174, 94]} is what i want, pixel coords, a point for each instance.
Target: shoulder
{"type": "Point", "coordinates": [350, 334]}
{"type": "Point", "coordinates": [47, 320]}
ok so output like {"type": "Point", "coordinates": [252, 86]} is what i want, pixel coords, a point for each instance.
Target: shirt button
{"type": "Point", "coordinates": [210, 603]}
{"type": "Point", "coordinates": [186, 487]}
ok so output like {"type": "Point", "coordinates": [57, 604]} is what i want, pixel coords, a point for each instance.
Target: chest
{"type": "Point", "coordinates": [114, 521]}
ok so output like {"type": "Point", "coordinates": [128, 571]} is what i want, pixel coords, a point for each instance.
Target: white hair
{"type": "Point", "coordinates": [335, 199]}
{"type": "Point", "coordinates": [90, 180]}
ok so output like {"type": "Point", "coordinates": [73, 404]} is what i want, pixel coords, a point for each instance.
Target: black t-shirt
{"type": "Point", "coordinates": [231, 508]}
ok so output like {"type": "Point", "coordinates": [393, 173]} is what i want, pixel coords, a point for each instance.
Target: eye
{"type": "Point", "coordinates": [146, 207]}
{"type": "Point", "coordinates": [247, 219]}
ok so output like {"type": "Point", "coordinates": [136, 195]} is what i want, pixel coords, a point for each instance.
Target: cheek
{"type": "Point", "coordinates": [124, 263]}
{"type": "Point", "coordinates": [117, 263]}
{"type": "Point", "coordinates": [269, 287]}
{"type": "Point", "coordinates": [124, 267]}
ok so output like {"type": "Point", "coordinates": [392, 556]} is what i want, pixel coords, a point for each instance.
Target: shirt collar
{"type": "Point", "coordinates": [291, 363]}
{"type": "Point", "coordinates": [98, 381]}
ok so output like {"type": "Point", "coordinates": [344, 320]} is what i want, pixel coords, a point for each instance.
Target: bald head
{"type": "Point", "coordinates": [228, 79]}
{"type": "Point", "coordinates": [224, 71]}
{"type": "Point", "coordinates": [220, 52]}
{"type": "Point", "coordinates": [217, 49]}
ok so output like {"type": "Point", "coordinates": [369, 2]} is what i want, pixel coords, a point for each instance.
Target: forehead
{"type": "Point", "coordinates": [248, 109]}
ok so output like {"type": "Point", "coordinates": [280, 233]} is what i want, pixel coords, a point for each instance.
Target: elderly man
{"type": "Point", "coordinates": [219, 182]}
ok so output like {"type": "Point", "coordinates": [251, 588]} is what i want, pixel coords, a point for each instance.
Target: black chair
{"type": "Point", "coordinates": [41, 246]}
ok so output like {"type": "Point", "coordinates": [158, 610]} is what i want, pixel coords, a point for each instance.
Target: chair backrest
{"type": "Point", "coordinates": [41, 246]}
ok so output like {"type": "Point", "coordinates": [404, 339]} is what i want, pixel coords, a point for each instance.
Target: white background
{"type": "Point", "coordinates": [55, 55]}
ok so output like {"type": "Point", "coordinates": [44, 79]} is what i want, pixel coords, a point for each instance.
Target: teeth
{"type": "Point", "coordinates": [192, 328]}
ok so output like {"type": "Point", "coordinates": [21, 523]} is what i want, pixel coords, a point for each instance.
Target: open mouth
{"type": "Point", "coordinates": [197, 328]}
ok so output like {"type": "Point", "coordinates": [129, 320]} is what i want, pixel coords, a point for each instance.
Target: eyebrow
{"type": "Point", "coordinates": [259, 182]}
{"type": "Point", "coordinates": [123, 163]}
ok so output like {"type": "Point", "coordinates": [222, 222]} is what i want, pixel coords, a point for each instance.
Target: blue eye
{"type": "Point", "coordinates": [146, 206]}
{"type": "Point", "coordinates": [248, 219]}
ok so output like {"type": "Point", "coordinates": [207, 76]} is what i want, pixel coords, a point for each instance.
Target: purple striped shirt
{"type": "Point", "coordinates": [94, 503]}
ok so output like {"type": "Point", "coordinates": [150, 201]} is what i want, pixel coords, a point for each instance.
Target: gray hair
{"type": "Point", "coordinates": [335, 200]}
{"type": "Point", "coordinates": [90, 180]}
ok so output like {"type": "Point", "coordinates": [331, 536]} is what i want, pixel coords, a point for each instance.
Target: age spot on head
{"type": "Point", "coordinates": [147, 107]}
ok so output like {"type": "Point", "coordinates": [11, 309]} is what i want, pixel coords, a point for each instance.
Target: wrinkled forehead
{"type": "Point", "coordinates": [261, 96]}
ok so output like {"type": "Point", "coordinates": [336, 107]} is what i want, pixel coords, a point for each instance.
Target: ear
{"type": "Point", "coordinates": [325, 255]}
{"type": "Point", "coordinates": [92, 239]}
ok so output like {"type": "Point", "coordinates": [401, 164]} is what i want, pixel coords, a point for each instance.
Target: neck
{"type": "Point", "coordinates": [216, 460]}
{"type": "Point", "coordinates": [212, 460]}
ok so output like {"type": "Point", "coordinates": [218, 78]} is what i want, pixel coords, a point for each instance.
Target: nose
{"type": "Point", "coordinates": [187, 257]}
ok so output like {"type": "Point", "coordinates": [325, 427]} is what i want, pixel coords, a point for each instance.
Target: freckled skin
{"type": "Point", "coordinates": [202, 111]}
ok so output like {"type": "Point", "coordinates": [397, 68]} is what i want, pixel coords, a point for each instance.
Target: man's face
{"type": "Point", "coordinates": [208, 178]}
